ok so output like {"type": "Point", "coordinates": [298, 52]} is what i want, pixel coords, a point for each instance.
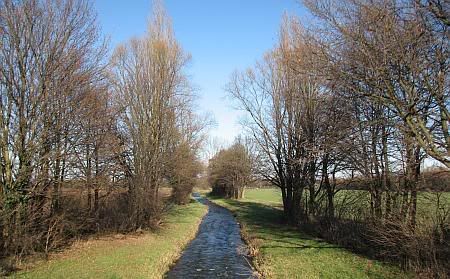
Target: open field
{"type": "Point", "coordinates": [148, 255]}
{"type": "Point", "coordinates": [285, 252]}
{"type": "Point", "coordinates": [267, 196]}
{"type": "Point", "coordinates": [356, 201]}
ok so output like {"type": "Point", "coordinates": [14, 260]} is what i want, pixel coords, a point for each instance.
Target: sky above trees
{"type": "Point", "coordinates": [222, 36]}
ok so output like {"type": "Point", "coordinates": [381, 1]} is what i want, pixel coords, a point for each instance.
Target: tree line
{"type": "Point", "coordinates": [87, 140]}
{"type": "Point", "coordinates": [358, 96]}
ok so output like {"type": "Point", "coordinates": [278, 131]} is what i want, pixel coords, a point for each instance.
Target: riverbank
{"type": "Point", "coordinates": [146, 255]}
{"type": "Point", "coordinates": [281, 251]}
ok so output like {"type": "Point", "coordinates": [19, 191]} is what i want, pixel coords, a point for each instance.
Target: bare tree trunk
{"type": "Point", "coordinates": [328, 188]}
{"type": "Point", "coordinates": [97, 176]}
{"type": "Point", "coordinates": [89, 176]}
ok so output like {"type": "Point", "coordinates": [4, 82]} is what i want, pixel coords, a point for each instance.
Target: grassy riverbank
{"type": "Point", "coordinates": [148, 255]}
{"type": "Point", "coordinates": [285, 252]}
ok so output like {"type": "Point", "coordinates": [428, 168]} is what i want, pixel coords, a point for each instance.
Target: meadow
{"type": "Point", "coordinates": [355, 203]}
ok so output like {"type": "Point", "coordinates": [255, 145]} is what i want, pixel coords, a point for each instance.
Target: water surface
{"type": "Point", "coordinates": [218, 250]}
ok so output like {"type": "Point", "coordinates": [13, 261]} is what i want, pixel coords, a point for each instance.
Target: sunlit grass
{"type": "Point", "coordinates": [285, 252]}
{"type": "Point", "coordinates": [356, 202]}
{"type": "Point", "coordinates": [143, 256]}
{"type": "Point", "coordinates": [268, 196]}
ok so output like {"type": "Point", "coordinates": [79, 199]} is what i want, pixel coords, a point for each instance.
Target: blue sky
{"type": "Point", "coordinates": [221, 35]}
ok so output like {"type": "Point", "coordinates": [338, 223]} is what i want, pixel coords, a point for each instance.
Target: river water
{"type": "Point", "coordinates": [218, 250]}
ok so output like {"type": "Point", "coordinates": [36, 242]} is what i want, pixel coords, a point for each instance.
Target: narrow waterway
{"type": "Point", "coordinates": [218, 250]}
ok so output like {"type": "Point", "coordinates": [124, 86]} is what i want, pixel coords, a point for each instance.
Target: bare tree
{"type": "Point", "coordinates": [51, 53]}
{"type": "Point", "coordinates": [371, 59]}
{"type": "Point", "coordinates": [152, 92]}
{"type": "Point", "coordinates": [282, 98]}
{"type": "Point", "coordinates": [230, 171]}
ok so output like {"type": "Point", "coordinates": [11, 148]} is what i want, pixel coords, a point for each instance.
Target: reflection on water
{"type": "Point", "coordinates": [217, 251]}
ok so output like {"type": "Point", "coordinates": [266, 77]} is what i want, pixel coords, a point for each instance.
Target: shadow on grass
{"type": "Point", "coordinates": [271, 226]}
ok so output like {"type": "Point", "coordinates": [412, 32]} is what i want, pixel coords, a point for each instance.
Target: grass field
{"type": "Point", "coordinates": [142, 256]}
{"type": "Point", "coordinates": [267, 196]}
{"type": "Point", "coordinates": [285, 252]}
{"type": "Point", "coordinates": [354, 202]}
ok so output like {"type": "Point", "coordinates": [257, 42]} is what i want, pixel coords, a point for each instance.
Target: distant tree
{"type": "Point", "coordinates": [230, 171]}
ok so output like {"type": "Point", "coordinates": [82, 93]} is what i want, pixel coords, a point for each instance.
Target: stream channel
{"type": "Point", "coordinates": [217, 251]}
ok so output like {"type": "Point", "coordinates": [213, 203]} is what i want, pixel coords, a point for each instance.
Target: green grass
{"type": "Point", "coordinates": [267, 196]}
{"type": "Point", "coordinates": [356, 204]}
{"type": "Point", "coordinates": [145, 256]}
{"type": "Point", "coordinates": [285, 252]}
